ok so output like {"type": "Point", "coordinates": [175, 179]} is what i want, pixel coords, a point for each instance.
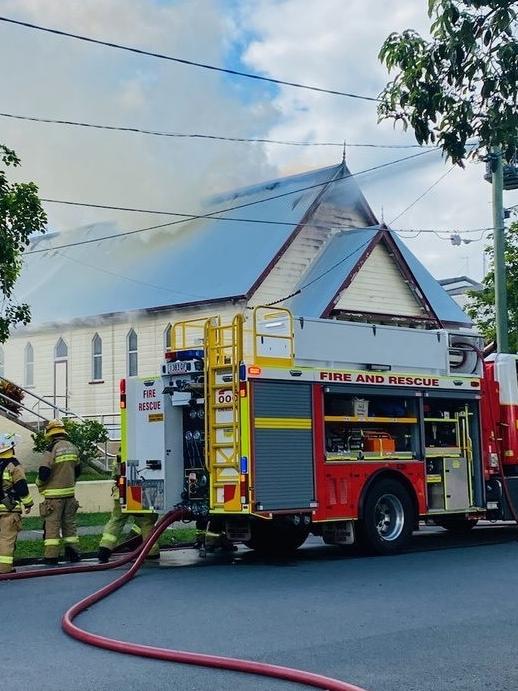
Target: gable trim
{"type": "Point", "coordinates": [349, 278]}
{"type": "Point", "coordinates": [414, 286]}
{"type": "Point", "coordinates": [384, 236]}
{"type": "Point", "coordinates": [304, 221]}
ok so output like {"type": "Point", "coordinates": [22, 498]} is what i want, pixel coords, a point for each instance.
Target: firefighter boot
{"type": "Point", "coordinates": [71, 555]}
{"type": "Point", "coordinates": [51, 561]}
{"type": "Point", "coordinates": [103, 555]}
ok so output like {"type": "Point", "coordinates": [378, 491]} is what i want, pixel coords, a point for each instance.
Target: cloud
{"type": "Point", "coordinates": [335, 44]}
{"type": "Point", "coordinates": [56, 77]}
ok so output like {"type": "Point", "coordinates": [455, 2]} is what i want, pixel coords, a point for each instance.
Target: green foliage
{"type": "Point", "coordinates": [21, 215]}
{"type": "Point", "coordinates": [84, 435]}
{"type": "Point", "coordinates": [481, 306]}
{"type": "Point", "coordinates": [12, 392]}
{"type": "Point", "coordinates": [89, 544]}
{"type": "Point", "coordinates": [461, 84]}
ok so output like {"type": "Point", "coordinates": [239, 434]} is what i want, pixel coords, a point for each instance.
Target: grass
{"type": "Point", "coordinates": [33, 549]}
{"type": "Point", "coordinates": [87, 476]}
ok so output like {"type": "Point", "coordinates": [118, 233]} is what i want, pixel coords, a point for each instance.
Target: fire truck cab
{"type": "Point", "coordinates": [276, 426]}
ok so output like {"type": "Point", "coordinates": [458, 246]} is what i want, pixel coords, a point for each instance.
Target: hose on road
{"type": "Point", "coordinates": [180, 656]}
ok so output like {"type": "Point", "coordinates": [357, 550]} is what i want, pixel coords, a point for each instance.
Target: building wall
{"type": "Point", "coordinates": [86, 397]}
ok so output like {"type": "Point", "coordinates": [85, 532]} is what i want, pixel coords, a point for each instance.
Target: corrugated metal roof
{"type": "Point", "coordinates": [339, 258]}
{"type": "Point", "coordinates": [198, 261]}
{"type": "Point", "coordinates": [442, 304]}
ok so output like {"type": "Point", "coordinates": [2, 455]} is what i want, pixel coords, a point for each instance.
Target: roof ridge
{"type": "Point", "coordinates": [271, 184]}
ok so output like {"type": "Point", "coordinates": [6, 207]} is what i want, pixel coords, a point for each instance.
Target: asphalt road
{"type": "Point", "coordinates": [433, 618]}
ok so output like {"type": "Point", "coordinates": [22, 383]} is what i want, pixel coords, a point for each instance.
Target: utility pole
{"type": "Point", "coordinates": [497, 180]}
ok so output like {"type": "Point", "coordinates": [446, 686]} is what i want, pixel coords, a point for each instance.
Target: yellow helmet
{"type": "Point", "coordinates": [55, 428]}
{"type": "Point", "coordinates": [7, 443]}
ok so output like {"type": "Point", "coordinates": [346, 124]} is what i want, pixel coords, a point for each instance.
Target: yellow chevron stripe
{"type": "Point", "coordinates": [282, 423]}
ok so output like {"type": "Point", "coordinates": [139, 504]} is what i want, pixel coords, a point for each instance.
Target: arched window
{"type": "Point", "coordinates": [61, 350]}
{"type": "Point", "coordinates": [2, 362]}
{"type": "Point", "coordinates": [29, 365]}
{"type": "Point", "coordinates": [167, 337]}
{"type": "Point", "coordinates": [97, 358]}
{"type": "Point", "coordinates": [132, 345]}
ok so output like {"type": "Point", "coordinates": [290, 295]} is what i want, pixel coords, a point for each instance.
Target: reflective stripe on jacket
{"type": "Point", "coordinates": [15, 489]}
{"type": "Point", "coordinates": [61, 460]}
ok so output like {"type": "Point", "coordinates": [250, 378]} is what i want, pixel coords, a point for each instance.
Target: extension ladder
{"type": "Point", "coordinates": [223, 357]}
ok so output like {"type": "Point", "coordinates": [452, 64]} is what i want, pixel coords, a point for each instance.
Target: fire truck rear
{"type": "Point", "coordinates": [276, 427]}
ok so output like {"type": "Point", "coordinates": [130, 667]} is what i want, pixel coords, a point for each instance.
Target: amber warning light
{"type": "Point", "coordinates": [254, 371]}
{"type": "Point", "coordinates": [122, 394]}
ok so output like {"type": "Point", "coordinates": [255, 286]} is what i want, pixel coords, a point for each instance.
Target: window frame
{"type": "Point", "coordinates": [28, 382]}
{"type": "Point", "coordinates": [97, 358]}
{"type": "Point", "coordinates": [168, 331]}
{"type": "Point", "coordinates": [132, 354]}
{"type": "Point", "coordinates": [60, 358]}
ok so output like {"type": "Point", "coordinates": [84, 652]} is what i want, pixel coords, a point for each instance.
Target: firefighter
{"type": "Point", "coordinates": [143, 524]}
{"type": "Point", "coordinates": [56, 481]}
{"type": "Point", "coordinates": [14, 497]}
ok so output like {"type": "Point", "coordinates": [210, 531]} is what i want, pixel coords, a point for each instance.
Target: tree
{"type": "Point", "coordinates": [481, 305]}
{"type": "Point", "coordinates": [21, 215]}
{"type": "Point", "coordinates": [86, 436]}
{"type": "Point", "coordinates": [460, 85]}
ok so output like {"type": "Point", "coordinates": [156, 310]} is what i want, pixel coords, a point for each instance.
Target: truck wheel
{"type": "Point", "coordinates": [276, 538]}
{"type": "Point", "coordinates": [457, 526]}
{"type": "Point", "coordinates": [388, 517]}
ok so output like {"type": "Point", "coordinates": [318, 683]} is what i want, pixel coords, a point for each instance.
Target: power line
{"type": "Point", "coordinates": [449, 233]}
{"type": "Point", "coordinates": [214, 137]}
{"type": "Point", "coordinates": [183, 61]}
{"type": "Point", "coordinates": [428, 189]}
{"type": "Point", "coordinates": [189, 216]}
{"type": "Point", "coordinates": [212, 215]}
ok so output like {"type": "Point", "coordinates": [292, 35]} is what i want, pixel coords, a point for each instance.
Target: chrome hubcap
{"type": "Point", "coordinates": [389, 517]}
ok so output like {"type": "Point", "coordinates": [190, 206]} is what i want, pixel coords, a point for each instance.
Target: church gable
{"type": "Point", "coordinates": [379, 287]}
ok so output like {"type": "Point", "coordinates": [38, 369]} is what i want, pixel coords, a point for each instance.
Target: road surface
{"type": "Point", "coordinates": [434, 618]}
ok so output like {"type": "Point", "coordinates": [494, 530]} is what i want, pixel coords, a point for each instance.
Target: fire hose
{"type": "Point", "coordinates": [198, 659]}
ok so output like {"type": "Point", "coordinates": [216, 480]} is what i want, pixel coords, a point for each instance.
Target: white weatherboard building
{"type": "Point", "coordinates": [102, 309]}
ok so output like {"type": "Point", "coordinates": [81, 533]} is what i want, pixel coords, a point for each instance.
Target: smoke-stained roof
{"type": "Point", "coordinates": [206, 260]}
{"type": "Point", "coordinates": [201, 260]}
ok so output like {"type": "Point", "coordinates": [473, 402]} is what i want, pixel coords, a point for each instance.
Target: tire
{"type": "Point", "coordinates": [388, 517]}
{"type": "Point", "coordinates": [457, 526]}
{"type": "Point", "coordinates": [276, 538]}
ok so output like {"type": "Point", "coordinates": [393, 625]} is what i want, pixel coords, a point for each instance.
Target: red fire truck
{"type": "Point", "coordinates": [274, 427]}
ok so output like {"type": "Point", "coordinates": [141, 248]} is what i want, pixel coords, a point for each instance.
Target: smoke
{"type": "Point", "coordinates": [57, 77]}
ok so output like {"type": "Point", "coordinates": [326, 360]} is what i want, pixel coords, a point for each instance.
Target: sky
{"type": "Point", "coordinates": [332, 43]}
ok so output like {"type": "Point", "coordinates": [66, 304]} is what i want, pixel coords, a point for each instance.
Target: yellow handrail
{"type": "Point", "coordinates": [190, 333]}
{"type": "Point", "coordinates": [264, 319]}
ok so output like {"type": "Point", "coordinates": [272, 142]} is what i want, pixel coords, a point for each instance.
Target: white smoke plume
{"type": "Point", "coordinates": [51, 76]}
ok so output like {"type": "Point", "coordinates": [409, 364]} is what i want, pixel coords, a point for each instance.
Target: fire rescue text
{"type": "Point", "coordinates": [392, 380]}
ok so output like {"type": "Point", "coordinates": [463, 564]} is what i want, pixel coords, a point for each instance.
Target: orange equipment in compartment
{"type": "Point", "coordinates": [379, 442]}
